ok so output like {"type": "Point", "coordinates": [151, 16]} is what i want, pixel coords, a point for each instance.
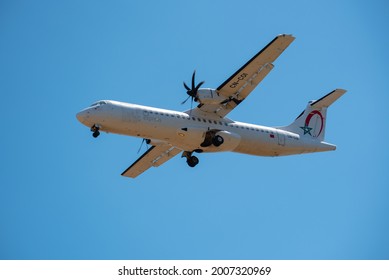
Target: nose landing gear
{"type": "Point", "coordinates": [95, 129]}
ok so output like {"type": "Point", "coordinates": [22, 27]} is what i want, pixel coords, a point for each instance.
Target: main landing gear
{"type": "Point", "coordinates": [192, 161]}
{"type": "Point", "coordinates": [210, 139]}
{"type": "Point", "coordinates": [95, 129]}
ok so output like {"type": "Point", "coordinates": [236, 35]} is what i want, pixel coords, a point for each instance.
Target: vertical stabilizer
{"type": "Point", "coordinates": [311, 122]}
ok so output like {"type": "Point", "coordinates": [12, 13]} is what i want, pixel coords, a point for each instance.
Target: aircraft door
{"type": "Point", "coordinates": [281, 138]}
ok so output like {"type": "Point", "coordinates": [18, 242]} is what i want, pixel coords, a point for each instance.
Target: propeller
{"type": "Point", "coordinates": [192, 92]}
{"type": "Point", "coordinates": [141, 145]}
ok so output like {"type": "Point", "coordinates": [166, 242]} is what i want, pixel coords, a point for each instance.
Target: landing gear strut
{"type": "Point", "coordinates": [192, 161]}
{"type": "Point", "coordinates": [95, 129]}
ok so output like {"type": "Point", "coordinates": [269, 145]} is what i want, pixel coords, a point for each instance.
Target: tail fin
{"type": "Point", "coordinates": [312, 121]}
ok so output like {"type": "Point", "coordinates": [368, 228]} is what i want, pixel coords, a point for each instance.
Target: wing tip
{"type": "Point", "coordinates": [341, 90]}
{"type": "Point", "coordinates": [290, 36]}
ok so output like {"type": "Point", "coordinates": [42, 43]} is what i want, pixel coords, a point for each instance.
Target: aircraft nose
{"type": "Point", "coordinates": [82, 116]}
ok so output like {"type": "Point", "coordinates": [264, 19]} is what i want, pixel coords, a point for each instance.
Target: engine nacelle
{"type": "Point", "coordinates": [231, 140]}
{"type": "Point", "coordinates": [191, 136]}
{"type": "Point", "coordinates": [209, 96]}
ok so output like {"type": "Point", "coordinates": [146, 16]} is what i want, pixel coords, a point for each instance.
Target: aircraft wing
{"type": "Point", "coordinates": [237, 87]}
{"type": "Point", "coordinates": [154, 156]}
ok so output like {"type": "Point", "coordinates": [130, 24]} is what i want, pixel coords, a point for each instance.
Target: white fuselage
{"type": "Point", "coordinates": [187, 132]}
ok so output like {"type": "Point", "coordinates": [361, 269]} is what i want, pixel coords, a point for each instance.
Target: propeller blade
{"type": "Point", "coordinates": [193, 79]}
{"type": "Point", "coordinates": [187, 88]}
{"type": "Point", "coordinates": [141, 145]}
{"type": "Point", "coordinates": [199, 85]}
{"type": "Point", "coordinates": [183, 102]}
{"type": "Point", "coordinates": [191, 106]}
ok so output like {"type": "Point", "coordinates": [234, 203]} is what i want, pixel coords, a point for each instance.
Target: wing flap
{"type": "Point", "coordinates": [154, 156]}
{"type": "Point", "coordinates": [232, 101]}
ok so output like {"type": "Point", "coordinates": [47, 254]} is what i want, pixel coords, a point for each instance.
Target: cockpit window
{"type": "Point", "coordinates": [98, 103]}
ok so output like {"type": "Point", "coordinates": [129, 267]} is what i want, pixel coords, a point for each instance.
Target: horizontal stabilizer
{"type": "Point", "coordinates": [328, 99]}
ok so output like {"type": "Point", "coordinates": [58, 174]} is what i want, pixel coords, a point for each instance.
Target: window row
{"type": "Point", "coordinates": [205, 121]}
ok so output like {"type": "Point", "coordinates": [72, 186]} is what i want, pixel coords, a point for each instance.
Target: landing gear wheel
{"type": "Point", "coordinates": [95, 130]}
{"type": "Point", "coordinates": [192, 161]}
{"type": "Point", "coordinates": [217, 140]}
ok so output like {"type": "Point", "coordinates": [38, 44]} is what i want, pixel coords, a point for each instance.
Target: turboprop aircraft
{"type": "Point", "coordinates": [206, 128]}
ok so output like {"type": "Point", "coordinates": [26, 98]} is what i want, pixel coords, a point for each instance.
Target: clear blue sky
{"type": "Point", "coordinates": [62, 196]}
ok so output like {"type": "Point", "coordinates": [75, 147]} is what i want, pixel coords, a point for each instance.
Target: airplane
{"type": "Point", "coordinates": [205, 128]}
